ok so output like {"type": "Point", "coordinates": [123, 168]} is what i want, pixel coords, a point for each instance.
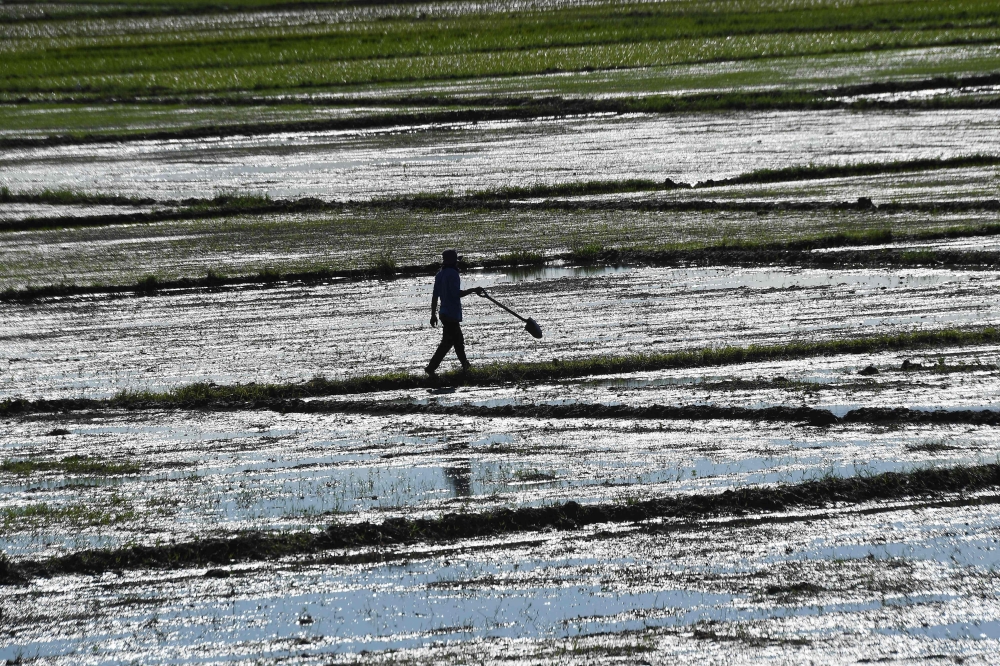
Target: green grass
{"type": "Point", "coordinates": [81, 515]}
{"type": "Point", "coordinates": [68, 465]}
{"type": "Point", "coordinates": [503, 373]}
{"type": "Point", "coordinates": [478, 45]}
{"type": "Point", "coordinates": [64, 197]}
{"type": "Point", "coordinates": [816, 172]}
{"type": "Point", "coordinates": [383, 264]}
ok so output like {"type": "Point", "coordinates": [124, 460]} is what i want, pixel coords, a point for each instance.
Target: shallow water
{"type": "Point", "coordinates": [202, 473]}
{"type": "Point", "coordinates": [360, 165]}
{"type": "Point", "coordinates": [906, 582]}
{"type": "Point", "coordinates": [96, 346]}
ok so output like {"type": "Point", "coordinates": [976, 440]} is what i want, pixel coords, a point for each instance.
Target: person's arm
{"type": "Point", "coordinates": [465, 292]}
{"type": "Point", "coordinates": [434, 310]}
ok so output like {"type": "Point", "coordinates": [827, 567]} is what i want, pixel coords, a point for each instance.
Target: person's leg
{"type": "Point", "coordinates": [447, 342]}
{"type": "Point", "coordinates": [458, 339]}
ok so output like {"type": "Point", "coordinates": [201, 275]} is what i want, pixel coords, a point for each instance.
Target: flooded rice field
{"type": "Point", "coordinates": [172, 476]}
{"type": "Point", "coordinates": [915, 583]}
{"type": "Point", "coordinates": [736, 459]}
{"type": "Point", "coordinates": [123, 253]}
{"type": "Point", "coordinates": [360, 165]}
{"type": "Point", "coordinates": [819, 71]}
{"type": "Point", "coordinates": [99, 345]}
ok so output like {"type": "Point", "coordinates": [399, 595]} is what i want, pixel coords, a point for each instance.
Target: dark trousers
{"type": "Point", "coordinates": [451, 336]}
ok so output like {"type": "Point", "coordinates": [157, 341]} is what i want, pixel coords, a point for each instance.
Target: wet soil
{"type": "Point", "coordinates": [421, 158]}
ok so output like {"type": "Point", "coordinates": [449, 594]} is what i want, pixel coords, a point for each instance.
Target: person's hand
{"type": "Point", "coordinates": [434, 320]}
{"type": "Point", "coordinates": [480, 291]}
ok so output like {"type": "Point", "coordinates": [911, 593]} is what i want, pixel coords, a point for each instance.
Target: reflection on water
{"type": "Point", "coordinates": [552, 272]}
{"type": "Point", "coordinates": [459, 476]}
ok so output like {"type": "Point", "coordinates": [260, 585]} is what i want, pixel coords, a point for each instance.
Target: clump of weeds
{"type": "Point", "coordinates": [269, 275]}
{"type": "Point", "coordinates": [521, 258]}
{"type": "Point", "coordinates": [69, 465]}
{"type": "Point", "coordinates": [585, 253]}
{"type": "Point", "coordinates": [149, 284]}
{"type": "Point", "coordinates": [383, 264]}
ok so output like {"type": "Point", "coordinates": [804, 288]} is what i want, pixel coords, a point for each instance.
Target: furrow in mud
{"type": "Point", "coordinates": [491, 204]}
{"type": "Point", "coordinates": [806, 415]}
{"type": "Point", "coordinates": [788, 255]}
{"type": "Point", "coordinates": [567, 516]}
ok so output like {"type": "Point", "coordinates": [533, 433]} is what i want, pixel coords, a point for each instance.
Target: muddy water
{"type": "Point", "coordinates": [344, 165]}
{"type": "Point", "coordinates": [912, 584]}
{"type": "Point", "coordinates": [96, 346]}
{"type": "Point", "coordinates": [202, 473]}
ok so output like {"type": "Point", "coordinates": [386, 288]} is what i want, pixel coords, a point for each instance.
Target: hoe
{"type": "Point", "coordinates": [530, 325]}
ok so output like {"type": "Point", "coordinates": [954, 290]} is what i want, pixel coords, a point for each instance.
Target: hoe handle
{"type": "Point", "coordinates": [487, 296]}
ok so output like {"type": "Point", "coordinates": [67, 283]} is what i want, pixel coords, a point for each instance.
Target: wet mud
{"type": "Point", "coordinates": [363, 164]}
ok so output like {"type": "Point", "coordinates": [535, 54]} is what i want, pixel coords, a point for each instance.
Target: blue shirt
{"type": "Point", "coordinates": [447, 284]}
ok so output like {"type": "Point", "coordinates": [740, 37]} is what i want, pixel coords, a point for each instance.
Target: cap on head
{"type": "Point", "coordinates": [449, 257]}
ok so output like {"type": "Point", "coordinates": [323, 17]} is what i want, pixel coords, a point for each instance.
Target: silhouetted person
{"type": "Point", "coordinates": [448, 289]}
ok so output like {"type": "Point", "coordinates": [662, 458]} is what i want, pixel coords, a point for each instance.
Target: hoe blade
{"type": "Point", "coordinates": [533, 328]}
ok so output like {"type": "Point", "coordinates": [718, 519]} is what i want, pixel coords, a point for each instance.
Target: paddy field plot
{"type": "Point", "coordinates": [760, 240]}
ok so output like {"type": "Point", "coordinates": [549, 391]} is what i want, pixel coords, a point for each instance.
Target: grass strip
{"type": "Point", "coordinates": [80, 515]}
{"type": "Point", "coordinates": [207, 395]}
{"type": "Point", "coordinates": [69, 465]}
{"type": "Point", "coordinates": [257, 546]}
{"type": "Point", "coordinates": [818, 172]}
{"type": "Point", "coordinates": [502, 373]}
{"type": "Point", "coordinates": [712, 101]}
{"type": "Point", "coordinates": [801, 415]}
{"type": "Point", "coordinates": [203, 210]}
{"type": "Point", "coordinates": [71, 197]}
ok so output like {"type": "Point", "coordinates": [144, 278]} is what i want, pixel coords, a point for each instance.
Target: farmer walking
{"type": "Point", "coordinates": [448, 289]}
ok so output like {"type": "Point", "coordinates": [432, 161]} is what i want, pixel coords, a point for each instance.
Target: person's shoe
{"type": "Point", "coordinates": [431, 372]}
{"type": "Point", "coordinates": [466, 368]}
